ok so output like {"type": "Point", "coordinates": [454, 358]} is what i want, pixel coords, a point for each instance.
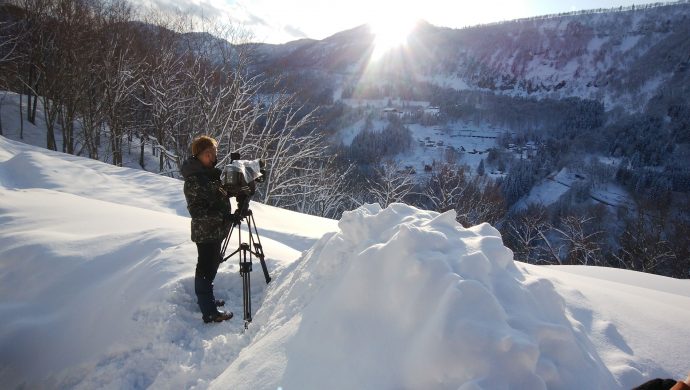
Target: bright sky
{"type": "Point", "coordinates": [279, 21]}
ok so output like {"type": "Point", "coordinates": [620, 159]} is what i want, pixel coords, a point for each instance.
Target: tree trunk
{"type": "Point", "coordinates": [141, 153]}
{"type": "Point", "coordinates": [21, 116]}
{"type": "Point", "coordinates": [28, 94]}
{"type": "Point", "coordinates": [160, 150]}
{"type": "Point", "coordinates": [63, 128]}
{"type": "Point", "coordinates": [68, 129]}
{"type": "Point", "coordinates": [33, 111]}
{"type": "Point", "coordinates": [50, 117]}
{"type": "Point", "coordinates": [50, 138]}
{"type": "Point", "coordinates": [116, 144]}
{"type": "Point", "coordinates": [3, 98]}
{"type": "Point", "coordinates": [97, 140]}
{"type": "Point", "coordinates": [69, 136]}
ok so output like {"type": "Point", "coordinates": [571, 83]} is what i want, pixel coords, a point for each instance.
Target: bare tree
{"type": "Point", "coordinates": [330, 194]}
{"type": "Point", "coordinates": [121, 73]}
{"type": "Point", "coordinates": [163, 94]}
{"type": "Point", "coordinates": [680, 268]}
{"type": "Point", "coordinates": [581, 241]}
{"type": "Point", "coordinates": [391, 184]}
{"type": "Point", "coordinates": [9, 39]}
{"type": "Point", "coordinates": [446, 187]}
{"type": "Point", "coordinates": [91, 105]}
{"type": "Point", "coordinates": [74, 31]}
{"type": "Point", "coordinates": [37, 71]}
{"type": "Point", "coordinates": [291, 145]}
{"type": "Point", "coordinates": [643, 246]}
{"type": "Point", "coordinates": [484, 202]}
{"type": "Point", "coordinates": [527, 235]}
{"type": "Point", "coordinates": [474, 200]}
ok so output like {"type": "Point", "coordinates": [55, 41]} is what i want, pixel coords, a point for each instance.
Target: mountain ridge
{"type": "Point", "coordinates": [620, 57]}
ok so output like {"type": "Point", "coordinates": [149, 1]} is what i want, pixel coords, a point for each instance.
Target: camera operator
{"type": "Point", "coordinates": [209, 206]}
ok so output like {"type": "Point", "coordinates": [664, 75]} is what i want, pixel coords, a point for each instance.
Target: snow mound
{"type": "Point", "coordinates": [404, 298]}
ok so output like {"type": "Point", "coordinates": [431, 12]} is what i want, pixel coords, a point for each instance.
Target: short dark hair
{"type": "Point", "coordinates": [202, 143]}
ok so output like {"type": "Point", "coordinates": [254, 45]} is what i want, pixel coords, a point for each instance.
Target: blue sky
{"type": "Point", "coordinates": [278, 21]}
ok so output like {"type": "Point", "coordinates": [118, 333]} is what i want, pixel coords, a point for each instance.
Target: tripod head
{"type": "Point", "coordinates": [243, 210]}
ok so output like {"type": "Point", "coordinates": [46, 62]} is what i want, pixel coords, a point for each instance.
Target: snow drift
{"type": "Point", "coordinates": [404, 298]}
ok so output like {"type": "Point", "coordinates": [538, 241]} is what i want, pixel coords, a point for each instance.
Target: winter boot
{"type": "Point", "coordinates": [219, 316]}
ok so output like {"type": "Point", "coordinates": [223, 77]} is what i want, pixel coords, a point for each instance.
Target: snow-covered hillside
{"type": "Point", "coordinates": [621, 56]}
{"type": "Point", "coordinates": [96, 291]}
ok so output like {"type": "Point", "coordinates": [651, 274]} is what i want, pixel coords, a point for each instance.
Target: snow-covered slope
{"type": "Point", "coordinates": [96, 271]}
{"type": "Point", "coordinates": [96, 275]}
{"type": "Point", "coordinates": [623, 57]}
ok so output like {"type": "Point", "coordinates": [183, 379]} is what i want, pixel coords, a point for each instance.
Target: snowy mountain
{"type": "Point", "coordinates": [96, 271]}
{"type": "Point", "coordinates": [623, 56]}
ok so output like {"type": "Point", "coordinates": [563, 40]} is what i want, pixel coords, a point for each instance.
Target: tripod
{"type": "Point", "coordinates": [246, 255]}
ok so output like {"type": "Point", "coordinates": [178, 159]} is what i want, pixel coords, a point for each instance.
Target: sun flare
{"type": "Point", "coordinates": [390, 30]}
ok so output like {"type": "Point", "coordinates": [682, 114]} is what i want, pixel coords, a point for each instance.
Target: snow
{"type": "Point", "coordinates": [629, 42]}
{"type": "Point", "coordinates": [404, 298]}
{"type": "Point", "coordinates": [552, 188]}
{"type": "Point", "coordinates": [96, 275]}
{"type": "Point", "coordinates": [545, 193]}
{"type": "Point", "coordinates": [446, 81]}
{"type": "Point", "coordinates": [430, 144]}
{"type": "Point", "coordinates": [549, 190]}
{"type": "Point", "coordinates": [613, 194]}
{"type": "Point", "coordinates": [96, 291]}
{"type": "Point", "coordinates": [634, 318]}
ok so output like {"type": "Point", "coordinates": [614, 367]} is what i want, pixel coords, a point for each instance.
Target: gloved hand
{"type": "Point", "coordinates": [231, 218]}
{"type": "Point", "coordinates": [235, 190]}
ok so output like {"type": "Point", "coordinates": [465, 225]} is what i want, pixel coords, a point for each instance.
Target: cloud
{"type": "Point", "coordinates": [208, 9]}
{"type": "Point", "coordinates": [254, 20]}
{"type": "Point", "coordinates": [193, 8]}
{"type": "Point", "coordinates": [295, 32]}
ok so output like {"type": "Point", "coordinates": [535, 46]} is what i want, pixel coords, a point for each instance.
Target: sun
{"type": "Point", "coordinates": [391, 30]}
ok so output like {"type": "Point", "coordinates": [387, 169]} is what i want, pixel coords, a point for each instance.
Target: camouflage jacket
{"type": "Point", "coordinates": [207, 201]}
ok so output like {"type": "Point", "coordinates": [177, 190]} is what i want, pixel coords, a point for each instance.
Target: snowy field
{"type": "Point", "coordinates": [552, 188]}
{"type": "Point", "coordinates": [96, 291]}
{"type": "Point", "coordinates": [471, 143]}
{"type": "Point", "coordinates": [468, 141]}
{"type": "Point", "coordinates": [549, 190]}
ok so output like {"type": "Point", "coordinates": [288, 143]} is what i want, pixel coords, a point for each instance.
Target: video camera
{"type": "Point", "coordinates": [241, 177]}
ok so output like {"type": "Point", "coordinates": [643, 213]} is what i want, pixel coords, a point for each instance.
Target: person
{"type": "Point", "coordinates": [209, 206]}
{"type": "Point", "coordinates": [665, 384]}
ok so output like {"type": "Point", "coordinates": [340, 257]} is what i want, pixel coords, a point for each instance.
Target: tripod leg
{"type": "Point", "coordinates": [247, 298]}
{"type": "Point", "coordinates": [251, 224]}
{"type": "Point", "coordinates": [248, 302]}
{"type": "Point", "coordinates": [245, 272]}
{"type": "Point", "coordinates": [225, 245]}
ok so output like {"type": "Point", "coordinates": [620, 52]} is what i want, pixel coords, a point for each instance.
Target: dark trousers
{"type": "Point", "coordinates": [206, 269]}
